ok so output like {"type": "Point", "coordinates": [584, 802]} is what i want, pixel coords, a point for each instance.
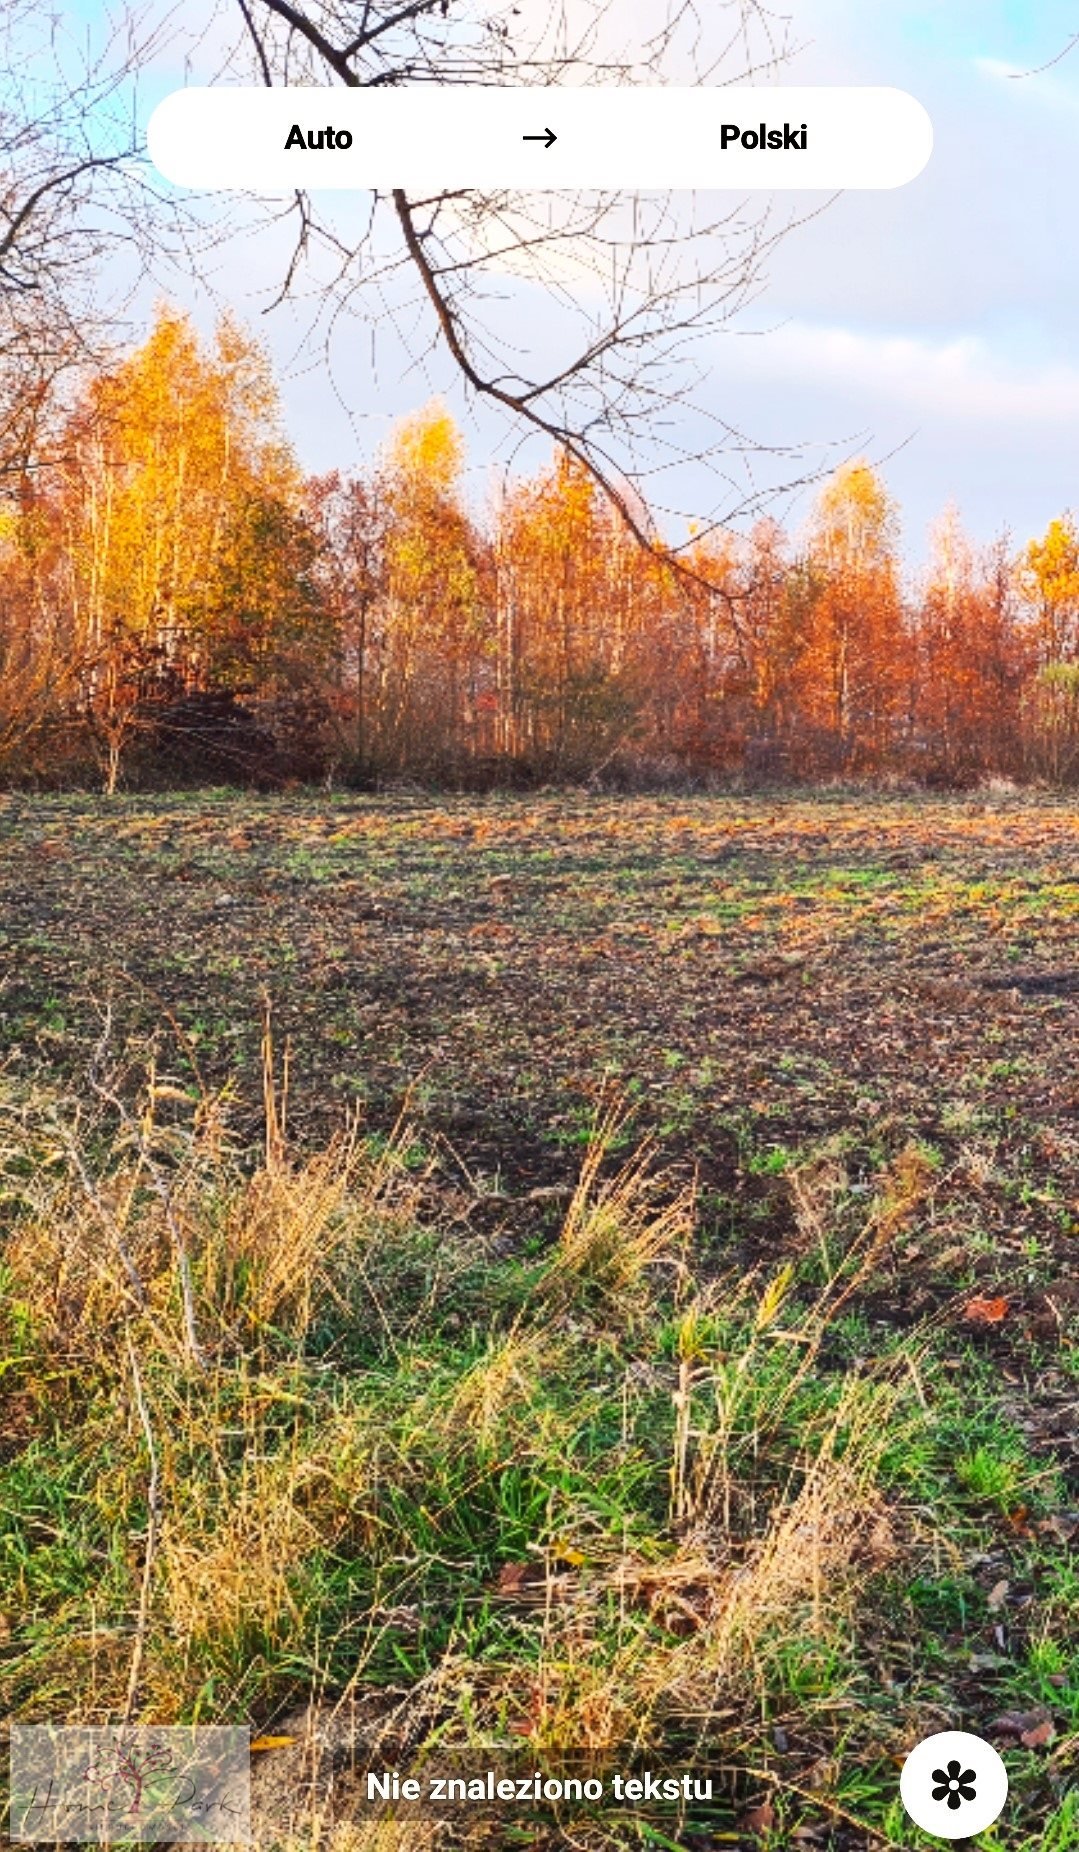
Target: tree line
{"type": "Point", "coordinates": [180, 602]}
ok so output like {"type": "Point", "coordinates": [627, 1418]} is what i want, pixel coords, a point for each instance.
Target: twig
{"type": "Point", "coordinates": [152, 1521]}
{"type": "Point", "coordinates": [164, 1194]}
{"type": "Point", "coordinates": [108, 1220]}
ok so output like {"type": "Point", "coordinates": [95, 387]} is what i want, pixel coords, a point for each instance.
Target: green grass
{"type": "Point", "coordinates": [603, 1487]}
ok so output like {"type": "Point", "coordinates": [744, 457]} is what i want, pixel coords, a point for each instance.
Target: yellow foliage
{"type": "Point", "coordinates": [1049, 578]}
{"type": "Point", "coordinates": [428, 446]}
{"type": "Point", "coordinates": [166, 447]}
{"type": "Point", "coordinates": [773, 1297]}
{"type": "Point", "coordinates": [856, 520]}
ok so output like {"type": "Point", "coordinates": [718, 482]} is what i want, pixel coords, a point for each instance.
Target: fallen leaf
{"type": "Point", "coordinates": [1041, 1734]}
{"type": "Point", "coordinates": [759, 1819]}
{"type": "Point", "coordinates": [1063, 1525]}
{"type": "Point", "coordinates": [513, 1577]}
{"type": "Point", "coordinates": [1024, 1725]}
{"type": "Point", "coordinates": [568, 1553]}
{"type": "Point", "coordinates": [998, 1595]}
{"type": "Point", "coordinates": [985, 1311]}
{"type": "Point", "coordinates": [533, 1582]}
{"type": "Point", "coordinates": [271, 1742]}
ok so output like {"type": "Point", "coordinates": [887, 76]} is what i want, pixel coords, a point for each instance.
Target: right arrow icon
{"type": "Point", "coordinates": [548, 137]}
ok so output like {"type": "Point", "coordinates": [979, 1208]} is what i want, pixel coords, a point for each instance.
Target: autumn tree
{"type": "Point", "coordinates": [1049, 583]}
{"type": "Point", "coordinates": [855, 663]}
{"type": "Point", "coordinates": [348, 515]}
{"type": "Point", "coordinates": [35, 666]}
{"type": "Point", "coordinates": [429, 647]}
{"type": "Point", "coordinates": [75, 203]}
{"type": "Point", "coordinates": [969, 662]}
{"type": "Point", "coordinates": [771, 619]}
{"type": "Point", "coordinates": [582, 621]}
{"type": "Point", "coordinates": [185, 558]}
{"type": "Point", "coordinates": [65, 153]}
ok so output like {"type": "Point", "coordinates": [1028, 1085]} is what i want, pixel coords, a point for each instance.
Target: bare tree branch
{"type": "Point", "coordinates": [636, 283]}
{"type": "Point", "coordinates": [73, 202]}
{"type": "Point", "coordinates": [1040, 69]}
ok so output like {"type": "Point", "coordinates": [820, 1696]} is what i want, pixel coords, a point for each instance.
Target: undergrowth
{"type": "Point", "coordinates": [276, 1430]}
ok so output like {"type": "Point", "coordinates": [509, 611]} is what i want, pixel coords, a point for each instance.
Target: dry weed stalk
{"type": "Point", "coordinates": [815, 1188]}
{"type": "Point", "coordinates": [275, 1094]}
{"type": "Point", "coordinates": [614, 1230]}
{"type": "Point", "coordinates": [153, 1522]}
{"type": "Point", "coordinates": [498, 1383]}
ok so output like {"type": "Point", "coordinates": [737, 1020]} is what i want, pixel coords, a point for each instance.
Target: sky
{"type": "Point", "coordinates": [942, 318]}
{"type": "Point", "coordinates": [934, 329]}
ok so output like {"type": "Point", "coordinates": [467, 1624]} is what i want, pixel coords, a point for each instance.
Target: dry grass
{"type": "Point", "coordinates": [268, 1247]}
{"type": "Point", "coordinates": [304, 1431]}
{"type": "Point", "coordinates": [615, 1229]}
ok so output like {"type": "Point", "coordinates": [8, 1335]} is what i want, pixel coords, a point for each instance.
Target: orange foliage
{"type": "Point", "coordinates": [178, 571]}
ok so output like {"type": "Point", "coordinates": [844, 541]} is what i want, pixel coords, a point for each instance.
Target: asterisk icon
{"type": "Point", "coordinates": [955, 1784]}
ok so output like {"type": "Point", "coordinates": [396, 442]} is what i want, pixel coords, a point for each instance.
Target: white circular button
{"type": "Point", "coordinates": [954, 1785]}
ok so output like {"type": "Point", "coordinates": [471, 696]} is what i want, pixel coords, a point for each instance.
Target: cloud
{"type": "Point", "coordinates": [958, 379]}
